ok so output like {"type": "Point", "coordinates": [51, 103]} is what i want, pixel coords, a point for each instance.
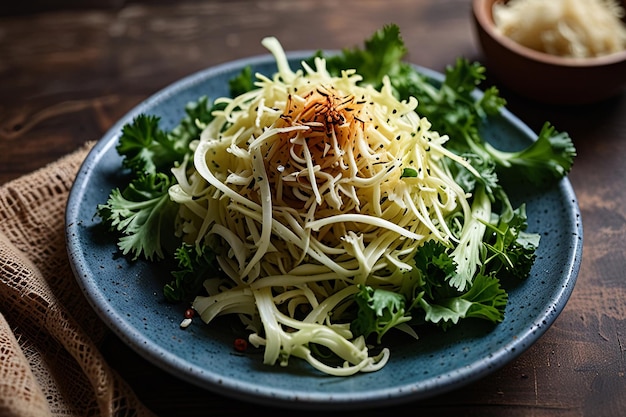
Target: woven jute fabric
{"type": "Point", "coordinates": [50, 364]}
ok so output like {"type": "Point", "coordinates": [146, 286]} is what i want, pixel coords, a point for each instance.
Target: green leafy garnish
{"type": "Point", "coordinates": [485, 299]}
{"type": "Point", "coordinates": [379, 311]}
{"type": "Point", "coordinates": [142, 214]}
{"type": "Point", "coordinates": [194, 266]}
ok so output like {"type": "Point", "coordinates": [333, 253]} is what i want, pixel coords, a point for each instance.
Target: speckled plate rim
{"type": "Point", "coordinates": [275, 395]}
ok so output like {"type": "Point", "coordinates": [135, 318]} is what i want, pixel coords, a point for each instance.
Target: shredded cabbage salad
{"type": "Point", "coordinates": [322, 210]}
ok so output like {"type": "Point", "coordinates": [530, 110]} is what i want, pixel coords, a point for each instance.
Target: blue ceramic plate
{"type": "Point", "coordinates": [128, 296]}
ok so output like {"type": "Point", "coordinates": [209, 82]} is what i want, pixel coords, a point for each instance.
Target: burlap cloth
{"type": "Point", "coordinates": [50, 364]}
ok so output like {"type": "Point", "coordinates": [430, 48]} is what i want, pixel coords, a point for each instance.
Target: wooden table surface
{"type": "Point", "coordinates": [68, 73]}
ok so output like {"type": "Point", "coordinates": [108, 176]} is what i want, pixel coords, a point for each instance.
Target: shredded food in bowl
{"type": "Point", "coordinates": [568, 28]}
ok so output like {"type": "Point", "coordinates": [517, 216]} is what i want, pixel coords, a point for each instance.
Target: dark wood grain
{"type": "Point", "coordinates": [66, 75]}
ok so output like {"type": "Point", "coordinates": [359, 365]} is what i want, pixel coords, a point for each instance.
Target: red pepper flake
{"type": "Point", "coordinates": [241, 345]}
{"type": "Point", "coordinates": [189, 313]}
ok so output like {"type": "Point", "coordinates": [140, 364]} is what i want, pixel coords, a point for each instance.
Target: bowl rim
{"type": "Point", "coordinates": [482, 10]}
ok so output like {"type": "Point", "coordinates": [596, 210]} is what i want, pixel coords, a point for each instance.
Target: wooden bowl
{"type": "Point", "coordinates": [544, 77]}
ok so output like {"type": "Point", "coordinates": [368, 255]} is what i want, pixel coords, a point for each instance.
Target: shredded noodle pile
{"type": "Point", "coordinates": [306, 187]}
